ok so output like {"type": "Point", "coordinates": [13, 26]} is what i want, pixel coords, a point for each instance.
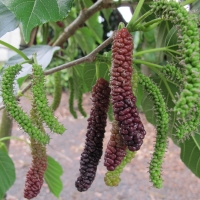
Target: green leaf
{"type": "Point", "coordinates": [36, 12]}
{"type": "Point", "coordinates": [190, 153]}
{"type": "Point", "coordinates": [21, 80]}
{"type": "Point", "coordinates": [171, 38]}
{"type": "Point", "coordinates": [106, 14]}
{"type": "Point", "coordinates": [8, 21]}
{"type": "Point", "coordinates": [84, 38]}
{"type": "Point", "coordinates": [7, 172]}
{"type": "Point", "coordinates": [145, 8]}
{"type": "Point", "coordinates": [196, 7]}
{"type": "Point", "coordinates": [44, 56]}
{"type": "Point", "coordinates": [162, 31]}
{"type": "Point", "coordinates": [3, 147]}
{"type": "Point", "coordinates": [95, 27]}
{"type": "Point", "coordinates": [90, 74]}
{"type": "Point", "coordinates": [52, 176]}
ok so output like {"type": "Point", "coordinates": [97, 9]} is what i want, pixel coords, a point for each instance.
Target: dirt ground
{"type": "Point", "coordinates": [179, 182]}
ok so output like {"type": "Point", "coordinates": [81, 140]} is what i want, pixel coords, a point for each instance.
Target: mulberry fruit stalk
{"type": "Point", "coordinates": [94, 137]}
{"type": "Point", "coordinates": [57, 91]}
{"type": "Point", "coordinates": [123, 99]}
{"type": "Point", "coordinates": [116, 149]}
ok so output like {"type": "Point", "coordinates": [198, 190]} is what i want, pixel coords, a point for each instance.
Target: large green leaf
{"type": "Point", "coordinates": [95, 27]}
{"type": "Point", "coordinates": [8, 21]}
{"type": "Point", "coordinates": [93, 23]}
{"type": "Point", "coordinates": [44, 56]}
{"type": "Point", "coordinates": [36, 12]}
{"type": "Point", "coordinates": [190, 154]}
{"type": "Point", "coordinates": [7, 172]}
{"type": "Point", "coordinates": [52, 176]}
{"type": "Point", "coordinates": [171, 38]}
{"type": "Point", "coordinates": [160, 35]}
{"type": "Point", "coordinates": [196, 7]}
{"type": "Point", "coordinates": [85, 39]}
{"type": "Point", "coordinates": [90, 74]}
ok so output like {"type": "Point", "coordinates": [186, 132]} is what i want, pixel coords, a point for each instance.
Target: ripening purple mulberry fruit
{"type": "Point", "coordinates": [94, 137]}
{"type": "Point", "coordinates": [116, 149]}
{"type": "Point", "coordinates": [34, 176]}
{"type": "Point", "coordinates": [123, 99]}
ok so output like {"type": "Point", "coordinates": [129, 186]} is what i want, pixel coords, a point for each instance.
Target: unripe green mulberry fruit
{"type": "Point", "coordinates": [14, 110]}
{"type": "Point", "coordinates": [112, 178]}
{"type": "Point", "coordinates": [39, 96]}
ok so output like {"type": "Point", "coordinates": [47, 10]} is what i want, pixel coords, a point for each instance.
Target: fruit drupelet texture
{"type": "Point", "coordinates": [94, 137]}
{"type": "Point", "coordinates": [34, 177]}
{"type": "Point", "coordinates": [116, 149]}
{"type": "Point", "coordinates": [123, 99]}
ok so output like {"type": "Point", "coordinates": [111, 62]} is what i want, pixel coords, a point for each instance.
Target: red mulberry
{"type": "Point", "coordinates": [95, 134]}
{"type": "Point", "coordinates": [116, 149]}
{"type": "Point", "coordinates": [34, 177]}
{"type": "Point", "coordinates": [123, 100]}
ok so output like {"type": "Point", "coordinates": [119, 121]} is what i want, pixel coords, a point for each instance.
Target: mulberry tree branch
{"type": "Point", "coordinates": [86, 14]}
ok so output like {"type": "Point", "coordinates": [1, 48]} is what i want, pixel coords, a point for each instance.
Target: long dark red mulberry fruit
{"type": "Point", "coordinates": [123, 100]}
{"type": "Point", "coordinates": [94, 136]}
{"type": "Point", "coordinates": [116, 149]}
{"type": "Point", "coordinates": [34, 176]}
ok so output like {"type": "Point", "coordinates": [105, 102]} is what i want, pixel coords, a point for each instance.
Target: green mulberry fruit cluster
{"type": "Point", "coordinates": [188, 35]}
{"type": "Point", "coordinates": [80, 100]}
{"type": "Point", "coordinates": [187, 128]}
{"type": "Point", "coordinates": [41, 102]}
{"type": "Point", "coordinates": [112, 178]}
{"type": "Point", "coordinates": [57, 91]}
{"type": "Point", "coordinates": [14, 110]}
{"type": "Point", "coordinates": [172, 73]}
{"type": "Point", "coordinates": [162, 128]}
{"type": "Point", "coordinates": [71, 98]}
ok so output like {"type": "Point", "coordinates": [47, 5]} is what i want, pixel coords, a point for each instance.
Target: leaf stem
{"type": "Point", "coordinates": [155, 50]}
{"type": "Point", "coordinates": [137, 61]}
{"type": "Point", "coordinates": [136, 13]}
{"type": "Point", "coordinates": [154, 68]}
{"type": "Point", "coordinates": [13, 138]}
{"type": "Point", "coordinates": [131, 28]}
{"type": "Point", "coordinates": [14, 49]}
{"type": "Point", "coordinates": [146, 24]}
{"type": "Point", "coordinates": [187, 2]}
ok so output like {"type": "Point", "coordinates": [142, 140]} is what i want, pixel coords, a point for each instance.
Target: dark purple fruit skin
{"type": "Point", "coordinates": [123, 99]}
{"type": "Point", "coordinates": [116, 149]}
{"type": "Point", "coordinates": [94, 137]}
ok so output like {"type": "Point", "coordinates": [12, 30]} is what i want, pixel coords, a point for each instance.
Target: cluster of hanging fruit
{"type": "Point", "coordinates": [127, 129]}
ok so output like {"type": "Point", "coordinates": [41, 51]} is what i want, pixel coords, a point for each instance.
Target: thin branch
{"type": "Point", "coordinates": [88, 58]}
{"type": "Point", "coordinates": [86, 14]}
